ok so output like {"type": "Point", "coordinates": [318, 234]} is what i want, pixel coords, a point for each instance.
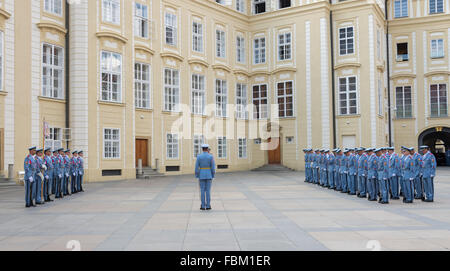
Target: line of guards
{"type": "Point", "coordinates": [49, 174]}
{"type": "Point", "coordinates": [374, 172]}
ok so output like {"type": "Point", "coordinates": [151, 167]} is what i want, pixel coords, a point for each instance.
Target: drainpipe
{"type": "Point", "coordinates": [333, 94]}
{"type": "Point", "coordinates": [67, 67]}
{"type": "Point", "coordinates": [388, 68]}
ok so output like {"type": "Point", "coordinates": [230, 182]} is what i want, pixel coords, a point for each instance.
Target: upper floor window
{"type": "Point", "coordinates": [347, 96]}
{"type": "Point", "coordinates": [259, 6]}
{"type": "Point", "coordinates": [53, 6]}
{"type": "Point", "coordinates": [171, 90]}
{"type": "Point", "coordinates": [220, 43]}
{"type": "Point", "coordinates": [346, 41]}
{"type": "Point", "coordinates": [52, 71]}
{"type": "Point", "coordinates": [170, 22]}
{"type": "Point", "coordinates": [400, 8]}
{"type": "Point", "coordinates": [111, 66]}
{"type": "Point", "coordinates": [402, 51]}
{"type": "Point", "coordinates": [438, 96]}
{"type": "Point", "coordinates": [240, 49]}
{"type": "Point", "coordinates": [260, 50]}
{"type": "Point", "coordinates": [141, 20]}
{"type": "Point", "coordinates": [437, 48]}
{"type": "Point", "coordinates": [241, 101]}
{"type": "Point", "coordinates": [284, 46]}
{"type": "Point", "coordinates": [54, 139]}
{"type": "Point", "coordinates": [379, 44]}
{"type": "Point", "coordinates": [285, 97]}
{"type": "Point", "coordinates": [436, 6]}
{"type": "Point", "coordinates": [198, 141]}
{"type": "Point", "coordinates": [403, 102]}
{"type": "Point", "coordinates": [284, 3]}
{"type": "Point", "coordinates": [197, 37]}
{"type": "Point", "coordinates": [260, 101]}
{"type": "Point", "coordinates": [111, 11]}
{"type": "Point", "coordinates": [142, 85]}
{"type": "Point", "coordinates": [198, 94]}
{"type": "Point", "coordinates": [221, 98]}
{"type": "Point", "coordinates": [380, 98]}
{"type": "Point", "coordinates": [240, 5]}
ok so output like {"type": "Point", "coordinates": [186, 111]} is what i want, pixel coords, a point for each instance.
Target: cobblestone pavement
{"type": "Point", "coordinates": [251, 211]}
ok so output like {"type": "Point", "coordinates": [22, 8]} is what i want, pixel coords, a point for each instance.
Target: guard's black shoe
{"type": "Point", "coordinates": [384, 202]}
{"type": "Point", "coordinates": [395, 198]}
{"type": "Point", "coordinates": [352, 194]}
{"type": "Point", "coordinates": [33, 205]}
{"type": "Point", "coordinates": [27, 206]}
{"type": "Point", "coordinates": [209, 208]}
{"type": "Point", "coordinates": [39, 203]}
{"type": "Point", "coordinates": [408, 201]}
{"type": "Point", "coordinates": [428, 200]}
{"type": "Point", "coordinates": [203, 209]}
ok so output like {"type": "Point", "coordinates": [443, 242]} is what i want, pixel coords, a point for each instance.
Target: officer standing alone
{"type": "Point", "coordinates": [205, 171]}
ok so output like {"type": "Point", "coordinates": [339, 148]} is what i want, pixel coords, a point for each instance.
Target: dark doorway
{"type": "Point", "coordinates": [142, 151]}
{"type": "Point", "coordinates": [274, 151]}
{"type": "Point", "coordinates": [438, 139]}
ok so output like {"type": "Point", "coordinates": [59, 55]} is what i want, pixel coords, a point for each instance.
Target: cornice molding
{"type": "Point", "coordinates": [222, 67]}
{"type": "Point", "coordinates": [240, 71]}
{"type": "Point", "coordinates": [51, 26]}
{"type": "Point", "coordinates": [111, 35]}
{"type": "Point", "coordinates": [438, 72]}
{"type": "Point", "coordinates": [403, 75]}
{"type": "Point", "coordinates": [5, 14]}
{"type": "Point", "coordinates": [346, 65]}
{"type": "Point", "coordinates": [172, 55]}
{"type": "Point", "coordinates": [284, 69]}
{"type": "Point", "coordinates": [145, 49]}
{"type": "Point", "coordinates": [198, 61]}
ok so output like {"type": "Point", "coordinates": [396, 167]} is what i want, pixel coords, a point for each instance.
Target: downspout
{"type": "Point", "coordinates": [333, 90]}
{"type": "Point", "coordinates": [67, 67]}
{"type": "Point", "coordinates": [388, 68]}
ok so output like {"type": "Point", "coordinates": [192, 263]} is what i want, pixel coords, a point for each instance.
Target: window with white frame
{"type": "Point", "coordinates": [437, 48]}
{"type": "Point", "coordinates": [400, 8]}
{"type": "Point", "coordinates": [52, 71]}
{"type": "Point", "coordinates": [170, 22]}
{"type": "Point", "coordinates": [198, 94]}
{"type": "Point", "coordinates": [259, 6]}
{"type": "Point", "coordinates": [240, 5]}
{"type": "Point", "coordinates": [198, 141]}
{"type": "Point", "coordinates": [402, 52]}
{"type": "Point", "coordinates": [220, 43]}
{"type": "Point", "coordinates": [403, 102]}
{"type": "Point", "coordinates": [240, 49]}
{"type": "Point", "coordinates": [379, 44]}
{"type": "Point", "coordinates": [242, 148]}
{"type": "Point", "coordinates": [259, 50]}
{"type": "Point", "coordinates": [53, 6]}
{"type": "Point", "coordinates": [221, 98]}
{"type": "Point", "coordinates": [111, 11]}
{"type": "Point", "coordinates": [260, 101]}
{"type": "Point", "coordinates": [241, 101]}
{"type": "Point", "coordinates": [111, 68]}
{"type": "Point", "coordinates": [284, 46]}
{"type": "Point", "coordinates": [172, 146]}
{"type": "Point", "coordinates": [285, 98]}
{"type": "Point", "coordinates": [284, 4]}
{"type": "Point", "coordinates": [348, 96]}
{"type": "Point", "coordinates": [436, 6]}
{"type": "Point", "coordinates": [197, 37]}
{"type": "Point", "coordinates": [346, 41]}
{"type": "Point", "coordinates": [380, 98]}
{"type": "Point", "coordinates": [222, 147]}
{"type": "Point", "coordinates": [54, 140]}
{"type": "Point", "coordinates": [438, 96]}
{"type": "Point", "coordinates": [141, 20]}
{"type": "Point", "coordinates": [142, 85]}
{"type": "Point", "coordinates": [171, 90]}
{"type": "Point", "coordinates": [111, 142]}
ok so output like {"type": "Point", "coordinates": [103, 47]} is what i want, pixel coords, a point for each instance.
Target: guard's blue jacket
{"type": "Point", "coordinates": [80, 165]}
{"type": "Point", "coordinates": [383, 167]}
{"type": "Point", "coordinates": [331, 161]}
{"type": "Point", "coordinates": [49, 164]}
{"type": "Point", "coordinates": [394, 165]}
{"type": "Point", "coordinates": [362, 165]}
{"type": "Point", "coordinates": [417, 164]}
{"type": "Point", "coordinates": [205, 167]}
{"type": "Point", "coordinates": [372, 166]}
{"type": "Point", "coordinates": [30, 166]}
{"type": "Point", "coordinates": [408, 168]}
{"type": "Point", "coordinates": [429, 165]}
{"type": "Point", "coordinates": [352, 164]}
{"type": "Point", "coordinates": [73, 166]}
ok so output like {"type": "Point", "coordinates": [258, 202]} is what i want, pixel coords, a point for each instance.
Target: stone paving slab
{"type": "Point", "coordinates": [251, 211]}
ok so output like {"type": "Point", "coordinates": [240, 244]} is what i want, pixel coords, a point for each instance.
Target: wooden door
{"type": "Point", "coordinates": [142, 151]}
{"type": "Point", "coordinates": [274, 151]}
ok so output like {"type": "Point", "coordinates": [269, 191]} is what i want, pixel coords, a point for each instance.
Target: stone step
{"type": "Point", "coordinates": [272, 168]}
{"type": "Point", "coordinates": [5, 182]}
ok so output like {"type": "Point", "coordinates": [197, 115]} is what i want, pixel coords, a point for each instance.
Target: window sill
{"type": "Point", "coordinates": [3, 93]}
{"type": "Point", "coordinates": [348, 116]}
{"type": "Point", "coordinates": [171, 112]}
{"type": "Point", "coordinates": [49, 99]}
{"type": "Point", "coordinates": [437, 57]}
{"type": "Point", "coordinates": [286, 118]}
{"type": "Point", "coordinates": [111, 103]}
{"type": "Point", "coordinates": [144, 109]}
{"type": "Point", "coordinates": [404, 119]}
{"type": "Point", "coordinates": [438, 117]}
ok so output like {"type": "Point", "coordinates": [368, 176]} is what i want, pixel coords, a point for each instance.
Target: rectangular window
{"type": "Point", "coordinates": [111, 66]}
{"type": "Point", "coordinates": [240, 49]}
{"type": "Point", "coordinates": [52, 71]}
{"type": "Point", "coordinates": [197, 37]}
{"type": "Point", "coordinates": [171, 90]}
{"type": "Point", "coordinates": [380, 98]}
{"type": "Point", "coordinates": [284, 3]}
{"type": "Point", "coordinates": [285, 98]}
{"type": "Point", "coordinates": [259, 6]}
{"type": "Point", "coordinates": [438, 95]}
{"type": "Point", "coordinates": [111, 143]}
{"type": "Point", "coordinates": [220, 43]}
{"type": "Point", "coordinates": [222, 147]}
{"type": "Point", "coordinates": [284, 46]}
{"type": "Point", "coordinates": [403, 102]}
{"type": "Point", "coordinates": [170, 22]}
{"type": "Point", "coordinates": [54, 140]}
{"type": "Point", "coordinates": [347, 96]}
{"type": "Point", "coordinates": [240, 5]}
{"type": "Point", "coordinates": [242, 148]}
{"type": "Point", "coordinates": [260, 102]}
{"type": "Point", "coordinates": [402, 52]}
{"type": "Point", "coordinates": [53, 6]}
{"type": "Point", "coordinates": [241, 101]}
{"type": "Point", "coordinates": [436, 6]}
{"type": "Point", "coordinates": [346, 41]}
{"type": "Point", "coordinates": [437, 48]}
{"type": "Point", "coordinates": [111, 11]}
{"type": "Point", "coordinates": [172, 146]}
{"type": "Point", "coordinates": [141, 20]}
{"type": "Point", "coordinates": [198, 141]}
{"type": "Point", "coordinates": [379, 44]}
{"type": "Point", "coordinates": [198, 94]}
{"type": "Point", "coordinates": [221, 98]}
{"type": "Point", "coordinates": [400, 8]}
{"type": "Point", "coordinates": [259, 50]}
{"type": "Point", "coordinates": [142, 85]}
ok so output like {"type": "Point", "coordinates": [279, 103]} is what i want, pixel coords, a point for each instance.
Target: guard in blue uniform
{"type": "Point", "coordinates": [344, 172]}
{"type": "Point", "coordinates": [331, 169]}
{"type": "Point", "coordinates": [66, 172]}
{"type": "Point", "coordinates": [408, 176]}
{"type": "Point", "coordinates": [39, 176]}
{"type": "Point", "coordinates": [372, 176]}
{"type": "Point", "coordinates": [306, 154]}
{"type": "Point", "coordinates": [55, 171]}
{"type": "Point", "coordinates": [418, 188]}
{"type": "Point", "coordinates": [352, 171]}
{"type": "Point", "coordinates": [74, 172]}
{"type": "Point", "coordinates": [80, 171]}
{"type": "Point", "coordinates": [30, 168]}
{"type": "Point", "coordinates": [383, 175]}
{"type": "Point", "coordinates": [429, 171]}
{"type": "Point", "coordinates": [60, 173]}
{"type": "Point", "coordinates": [321, 165]}
{"type": "Point", "coordinates": [205, 171]}
{"type": "Point", "coordinates": [394, 173]}
{"type": "Point", "coordinates": [362, 173]}
{"type": "Point", "coordinates": [315, 166]}
{"type": "Point", "coordinates": [337, 166]}
{"type": "Point", "coordinates": [325, 168]}
{"type": "Point", "coordinates": [48, 172]}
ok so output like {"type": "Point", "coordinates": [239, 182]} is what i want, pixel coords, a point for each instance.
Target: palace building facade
{"type": "Point", "coordinates": [125, 80]}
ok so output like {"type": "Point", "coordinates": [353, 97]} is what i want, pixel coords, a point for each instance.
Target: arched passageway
{"type": "Point", "coordinates": [438, 138]}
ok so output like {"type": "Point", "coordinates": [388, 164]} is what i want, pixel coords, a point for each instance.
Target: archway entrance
{"type": "Point", "coordinates": [438, 138]}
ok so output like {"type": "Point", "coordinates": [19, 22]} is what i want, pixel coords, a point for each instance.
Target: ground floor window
{"type": "Point", "coordinates": [242, 147]}
{"type": "Point", "coordinates": [222, 147]}
{"type": "Point", "coordinates": [172, 146]}
{"type": "Point", "coordinates": [111, 143]}
{"type": "Point", "coordinates": [198, 141]}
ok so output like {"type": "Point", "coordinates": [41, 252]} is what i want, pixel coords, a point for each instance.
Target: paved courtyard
{"type": "Point", "coordinates": [251, 211]}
